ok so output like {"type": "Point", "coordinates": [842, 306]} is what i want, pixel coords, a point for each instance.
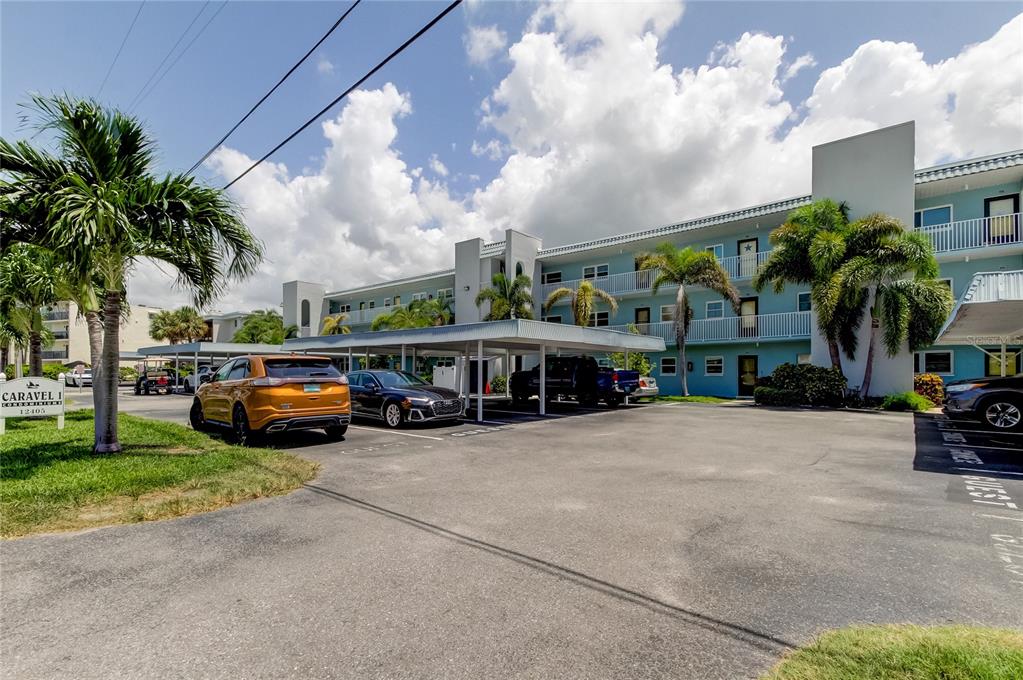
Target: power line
{"type": "Point", "coordinates": [344, 94]}
{"type": "Point", "coordinates": [109, 70]}
{"type": "Point", "coordinates": [169, 53]}
{"type": "Point", "coordinates": [182, 52]}
{"type": "Point", "coordinates": [272, 89]}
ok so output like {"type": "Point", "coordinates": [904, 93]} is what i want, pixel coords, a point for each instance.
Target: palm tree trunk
{"type": "Point", "coordinates": [35, 353]}
{"type": "Point", "coordinates": [106, 414]}
{"type": "Point", "coordinates": [868, 369]}
{"type": "Point", "coordinates": [836, 355]}
{"type": "Point", "coordinates": [681, 330]}
{"type": "Point", "coordinates": [5, 350]}
{"type": "Point", "coordinates": [95, 326]}
{"type": "Point", "coordinates": [682, 364]}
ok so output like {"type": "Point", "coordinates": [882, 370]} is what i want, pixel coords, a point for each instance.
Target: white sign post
{"type": "Point", "coordinates": [29, 397]}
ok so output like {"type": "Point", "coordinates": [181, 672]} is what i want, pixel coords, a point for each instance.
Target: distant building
{"type": "Point", "coordinates": [222, 327]}
{"type": "Point", "coordinates": [71, 334]}
{"type": "Point", "coordinates": [970, 211]}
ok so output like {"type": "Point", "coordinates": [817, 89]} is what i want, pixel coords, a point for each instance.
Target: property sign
{"type": "Point", "coordinates": [26, 397]}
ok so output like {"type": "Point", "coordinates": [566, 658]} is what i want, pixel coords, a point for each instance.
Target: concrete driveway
{"type": "Point", "coordinates": [674, 541]}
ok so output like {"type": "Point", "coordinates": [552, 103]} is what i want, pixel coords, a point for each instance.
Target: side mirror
{"type": "Point", "coordinates": [205, 378]}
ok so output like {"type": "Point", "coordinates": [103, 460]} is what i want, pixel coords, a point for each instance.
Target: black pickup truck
{"type": "Point", "coordinates": [578, 378]}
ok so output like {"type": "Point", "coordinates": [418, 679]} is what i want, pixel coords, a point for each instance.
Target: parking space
{"type": "Point", "coordinates": [952, 446]}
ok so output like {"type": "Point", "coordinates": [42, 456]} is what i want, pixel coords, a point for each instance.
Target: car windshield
{"type": "Point", "coordinates": [300, 368]}
{"type": "Point", "coordinates": [399, 379]}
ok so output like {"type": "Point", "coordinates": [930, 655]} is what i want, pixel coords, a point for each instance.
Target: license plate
{"type": "Point", "coordinates": [311, 388]}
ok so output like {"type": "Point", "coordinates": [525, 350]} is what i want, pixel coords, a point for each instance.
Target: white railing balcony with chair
{"type": "Point", "coordinates": [739, 267]}
{"type": "Point", "coordinates": [982, 232]}
{"type": "Point", "coordinates": [753, 328]}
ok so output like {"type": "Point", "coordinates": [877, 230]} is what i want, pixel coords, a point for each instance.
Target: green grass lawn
{"type": "Point", "coordinates": [905, 652]}
{"type": "Point", "coordinates": [51, 481]}
{"type": "Point", "coordinates": [693, 399]}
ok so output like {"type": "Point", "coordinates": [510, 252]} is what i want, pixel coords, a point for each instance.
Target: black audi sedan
{"type": "Point", "coordinates": [398, 397]}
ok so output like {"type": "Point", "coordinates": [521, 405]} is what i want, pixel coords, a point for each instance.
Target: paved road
{"type": "Point", "coordinates": [681, 541]}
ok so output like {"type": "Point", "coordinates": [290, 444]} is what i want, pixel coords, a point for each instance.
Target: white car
{"type": "Point", "coordinates": [647, 388]}
{"type": "Point", "coordinates": [83, 377]}
{"type": "Point", "coordinates": [194, 380]}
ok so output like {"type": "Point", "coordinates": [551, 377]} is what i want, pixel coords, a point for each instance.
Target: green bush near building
{"type": "Point", "coordinates": [802, 385]}
{"type": "Point", "coordinates": [498, 384]}
{"type": "Point", "coordinates": [50, 371]}
{"type": "Point", "coordinates": [772, 396]}
{"type": "Point", "coordinates": [906, 401]}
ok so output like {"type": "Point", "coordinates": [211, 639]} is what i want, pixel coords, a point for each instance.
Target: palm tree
{"type": "Point", "coordinates": [13, 335]}
{"type": "Point", "coordinates": [913, 310]}
{"type": "Point", "coordinates": [107, 212]}
{"type": "Point", "coordinates": [264, 326]}
{"type": "Point", "coordinates": [440, 310]}
{"type": "Point", "coordinates": [29, 277]}
{"type": "Point", "coordinates": [334, 325]}
{"type": "Point", "coordinates": [808, 250]}
{"type": "Point", "coordinates": [684, 267]}
{"type": "Point", "coordinates": [176, 326]}
{"type": "Point", "coordinates": [508, 298]}
{"type": "Point", "coordinates": [583, 301]}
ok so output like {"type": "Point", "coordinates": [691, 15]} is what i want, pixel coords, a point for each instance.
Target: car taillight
{"type": "Point", "coordinates": [614, 376]}
{"type": "Point", "coordinates": [642, 383]}
{"type": "Point", "coordinates": [267, 381]}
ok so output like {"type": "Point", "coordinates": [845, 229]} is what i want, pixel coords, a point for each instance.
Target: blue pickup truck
{"type": "Point", "coordinates": [578, 378]}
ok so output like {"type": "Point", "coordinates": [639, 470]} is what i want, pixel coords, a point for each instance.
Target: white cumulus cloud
{"type": "Point", "coordinates": [482, 43]}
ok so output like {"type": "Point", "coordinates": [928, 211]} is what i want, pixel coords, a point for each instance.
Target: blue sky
{"type": "Point", "coordinates": [249, 45]}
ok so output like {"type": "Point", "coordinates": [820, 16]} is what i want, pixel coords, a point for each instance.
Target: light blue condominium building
{"type": "Point", "coordinates": [970, 210]}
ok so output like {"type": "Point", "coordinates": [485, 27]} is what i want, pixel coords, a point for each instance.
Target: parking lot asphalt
{"type": "Point", "coordinates": [682, 541]}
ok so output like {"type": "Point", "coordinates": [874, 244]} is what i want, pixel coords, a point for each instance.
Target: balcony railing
{"type": "Point", "coordinates": [753, 328]}
{"type": "Point", "coordinates": [60, 335]}
{"type": "Point", "coordinates": [54, 353]}
{"type": "Point", "coordinates": [364, 316]}
{"type": "Point", "coordinates": [982, 232]}
{"type": "Point", "coordinates": [55, 315]}
{"type": "Point", "coordinates": [739, 267]}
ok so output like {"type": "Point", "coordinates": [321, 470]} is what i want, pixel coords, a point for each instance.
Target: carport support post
{"type": "Point", "coordinates": [195, 370]}
{"type": "Point", "coordinates": [543, 380]}
{"type": "Point", "coordinates": [176, 372]}
{"type": "Point", "coordinates": [507, 373]}
{"type": "Point", "coordinates": [1002, 359]}
{"type": "Point", "coordinates": [479, 381]}
{"type": "Point", "coordinates": [403, 357]}
{"type": "Point", "coordinates": [467, 384]}
{"type": "Point", "coordinates": [626, 367]}
{"type": "Point", "coordinates": [350, 369]}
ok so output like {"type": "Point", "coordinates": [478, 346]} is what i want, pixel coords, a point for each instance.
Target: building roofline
{"type": "Point", "coordinates": [393, 282]}
{"type": "Point", "coordinates": [970, 166]}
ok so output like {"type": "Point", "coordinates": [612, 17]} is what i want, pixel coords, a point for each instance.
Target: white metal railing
{"type": "Point", "coordinates": [56, 315]}
{"type": "Point", "coordinates": [360, 316]}
{"type": "Point", "coordinates": [996, 286]}
{"type": "Point", "coordinates": [781, 326]}
{"type": "Point", "coordinates": [982, 232]}
{"type": "Point", "coordinates": [739, 267]}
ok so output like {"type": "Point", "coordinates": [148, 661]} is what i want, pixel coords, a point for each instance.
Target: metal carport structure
{"type": "Point", "coordinates": [513, 336]}
{"type": "Point", "coordinates": [990, 312]}
{"type": "Point", "coordinates": [210, 351]}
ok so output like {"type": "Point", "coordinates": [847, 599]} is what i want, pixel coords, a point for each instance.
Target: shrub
{"type": "Point", "coordinates": [772, 396]}
{"type": "Point", "coordinates": [815, 385]}
{"type": "Point", "coordinates": [906, 401]}
{"type": "Point", "coordinates": [498, 384]}
{"type": "Point", "coordinates": [50, 371]}
{"type": "Point", "coordinates": [127, 374]}
{"type": "Point", "coordinates": [930, 386]}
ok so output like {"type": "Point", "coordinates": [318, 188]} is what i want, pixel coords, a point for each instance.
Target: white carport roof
{"type": "Point", "coordinates": [516, 335]}
{"type": "Point", "coordinates": [210, 349]}
{"type": "Point", "coordinates": [990, 312]}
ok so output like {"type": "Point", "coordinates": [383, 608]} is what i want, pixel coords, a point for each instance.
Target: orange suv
{"type": "Point", "coordinates": [275, 393]}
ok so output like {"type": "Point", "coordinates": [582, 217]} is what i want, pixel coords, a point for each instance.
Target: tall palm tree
{"type": "Point", "coordinates": [909, 310]}
{"type": "Point", "coordinates": [178, 325]}
{"type": "Point", "coordinates": [335, 325]}
{"type": "Point", "coordinates": [508, 298]}
{"type": "Point", "coordinates": [29, 278]}
{"type": "Point", "coordinates": [808, 250]}
{"type": "Point", "coordinates": [685, 267]}
{"type": "Point", "coordinates": [264, 326]}
{"type": "Point", "coordinates": [440, 310]}
{"type": "Point", "coordinates": [13, 334]}
{"type": "Point", "coordinates": [583, 301]}
{"type": "Point", "coordinates": [108, 212]}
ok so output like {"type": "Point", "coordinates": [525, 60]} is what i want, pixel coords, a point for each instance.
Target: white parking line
{"type": "Point", "coordinates": [1013, 519]}
{"type": "Point", "coordinates": [963, 444]}
{"type": "Point", "coordinates": [997, 472]}
{"type": "Point", "coordinates": [975, 431]}
{"type": "Point", "coordinates": [404, 434]}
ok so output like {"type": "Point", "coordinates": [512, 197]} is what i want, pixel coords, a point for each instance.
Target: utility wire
{"type": "Point", "coordinates": [182, 52]}
{"type": "Point", "coordinates": [169, 53]}
{"type": "Point", "coordinates": [123, 41]}
{"type": "Point", "coordinates": [272, 89]}
{"type": "Point", "coordinates": [344, 94]}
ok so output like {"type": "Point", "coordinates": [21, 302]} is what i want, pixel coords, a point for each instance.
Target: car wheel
{"type": "Point", "coordinates": [196, 417]}
{"type": "Point", "coordinates": [1003, 414]}
{"type": "Point", "coordinates": [145, 390]}
{"type": "Point", "coordinates": [393, 417]}
{"type": "Point", "coordinates": [336, 432]}
{"type": "Point", "coordinates": [588, 400]}
{"type": "Point", "coordinates": [614, 402]}
{"type": "Point", "coordinates": [240, 426]}
{"type": "Point", "coordinates": [138, 390]}
{"type": "Point", "coordinates": [519, 398]}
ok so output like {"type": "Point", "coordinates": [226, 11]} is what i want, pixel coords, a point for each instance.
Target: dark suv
{"type": "Point", "coordinates": [996, 402]}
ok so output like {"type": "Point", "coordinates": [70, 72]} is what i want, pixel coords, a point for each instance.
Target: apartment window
{"type": "Point", "coordinates": [552, 319]}
{"type": "Point", "coordinates": [418, 296]}
{"type": "Point", "coordinates": [595, 271]}
{"type": "Point", "coordinates": [933, 362]}
{"type": "Point", "coordinates": [667, 312]}
{"type": "Point", "coordinates": [600, 319]}
{"type": "Point", "coordinates": [550, 277]}
{"type": "Point", "coordinates": [372, 304]}
{"type": "Point", "coordinates": [305, 313]}
{"type": "Point", "coordinates": [333, 307]}
{"type": "Point", "coordinates": [802, 358]}
{"type": "Point", "coordinates": [993, 365]}
{"type": "Point", "coordinates": [714, 366]}
{"type": "Point", "coordinates": [362, 306]}
{"type": "Point", "coordinates": [803, 302]}
{"type": "Point", "coordinates": [443, 293]}
{"type": "Point", "coordinates": [669, 366]}
{"type": "Point", "coordinates": [929, 217]}
{"type": "Point", "coordinates": [715, 309]}
{"type": "Point", "coordinates": [345, 309]}
{"type": "Point", "coordinates": [718, 250]}
{"type": "Point", "coordinates": [387, 302]}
